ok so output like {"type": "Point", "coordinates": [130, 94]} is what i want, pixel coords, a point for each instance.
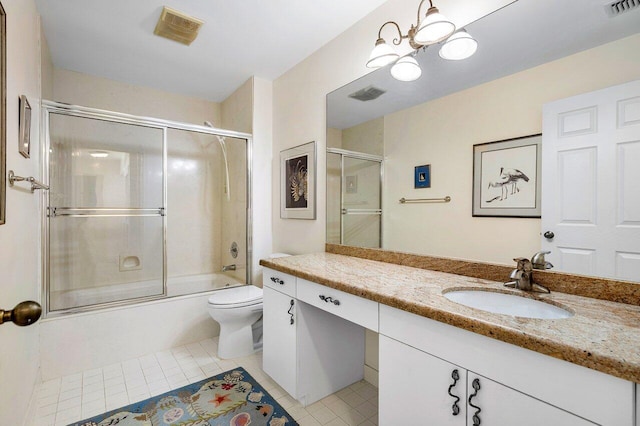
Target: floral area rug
{"type": "Point", "coordinates": [233, 398]}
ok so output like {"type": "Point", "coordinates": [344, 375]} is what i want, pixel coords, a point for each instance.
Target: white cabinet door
{"type": "Point", "coordinates": [590, 191]}
{"type": "Point", "coordinates": [494, 404]}
{"type": "Point", "coordinates": [279, 339]}
{"type": "Point", "coordinates": [415, 388]}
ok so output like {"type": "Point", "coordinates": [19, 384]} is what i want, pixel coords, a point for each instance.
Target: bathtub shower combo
{"type": "Point", "coordinates": [140, 209]}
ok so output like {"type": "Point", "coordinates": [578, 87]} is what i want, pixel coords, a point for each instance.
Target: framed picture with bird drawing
{"type": "Point", "coordinates": [298, 182]}
{"type": "Point", "coordinates": [506, 177]}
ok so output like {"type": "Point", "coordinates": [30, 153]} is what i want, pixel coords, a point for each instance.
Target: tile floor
{"type": "Point", "coordinates": [72, 398]}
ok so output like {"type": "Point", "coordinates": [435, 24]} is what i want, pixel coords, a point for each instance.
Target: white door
{"type": "Point", "coordinates": [416, 388]}
{"type": "Point", "coordinates": [591, 184]}
{"type": "Point", "coordinates": [279, 357]}
{"type": "Point", "coordinates": [494, 404]}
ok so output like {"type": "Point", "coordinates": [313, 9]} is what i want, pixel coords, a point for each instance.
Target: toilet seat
{"type": "Point", "coordinates": [236, 297]}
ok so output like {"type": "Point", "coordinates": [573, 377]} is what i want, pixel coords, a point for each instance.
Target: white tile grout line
{"type": "Point", "coordinates": [75, 397]}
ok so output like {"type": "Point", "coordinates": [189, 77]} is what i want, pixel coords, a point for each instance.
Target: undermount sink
{"type": "Point", "coordinates": [507, 304]}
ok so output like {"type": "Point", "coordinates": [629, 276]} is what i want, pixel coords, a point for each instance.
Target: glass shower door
{"type": "Point", "coordinates": [361, 208]}
{"type": "Point", "coordinates": [105, 212]}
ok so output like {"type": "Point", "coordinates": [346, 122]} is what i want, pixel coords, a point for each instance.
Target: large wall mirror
{"type": "Point", "coordinates": [530, 53]}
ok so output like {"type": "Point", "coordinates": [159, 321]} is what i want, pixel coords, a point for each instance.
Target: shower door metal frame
{"type": "Point", "coordinates": [51, 107]}
{"type": "Point", "coordinates": [358, 156]}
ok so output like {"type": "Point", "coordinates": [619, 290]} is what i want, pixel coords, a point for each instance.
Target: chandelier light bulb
{"type": "Point", "coordinates": [381, 55]}
{"type": "Point", "coordinates": [459, 46]}
{"type": "Point", "coordinates": [434, 28]}
{"type": "Point", "coordinates": [406, 69]}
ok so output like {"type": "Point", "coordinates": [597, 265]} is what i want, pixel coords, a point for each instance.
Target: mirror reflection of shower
{"type": "Point", "coordinates": [354, 210]}
{"type": "Point", "coordinates": [140, 209]}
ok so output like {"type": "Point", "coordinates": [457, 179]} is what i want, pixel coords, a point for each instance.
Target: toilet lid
{"type": "Point", "coordinates": [236, 295]}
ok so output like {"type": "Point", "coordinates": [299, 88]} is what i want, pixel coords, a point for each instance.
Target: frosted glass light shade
{"type": "Point", "coordinates": [381, 55]}
{"type": "Point", "coordinates": [434, 28]}
{"type": "Point", "coordinates": [459, 46]}
{"type": "Point", "coordinates": [406, 69]}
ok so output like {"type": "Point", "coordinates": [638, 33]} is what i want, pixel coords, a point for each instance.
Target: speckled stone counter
{"type": "Point", "coordinates": [601, 335]}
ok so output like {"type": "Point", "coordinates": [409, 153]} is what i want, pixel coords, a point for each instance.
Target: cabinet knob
{"type": "Point", "coordinates": [289, 311]}
{"type": "Point", "coordinates": [25, 313]}
{"type": "Point", "coordinates": [455, 409]}
{"type": "Point", "coordinates": [549, 235]}
{"type": "Point", "coordinates": [476, 386]}
{"type": "Point", "coordinates": [329, 299]}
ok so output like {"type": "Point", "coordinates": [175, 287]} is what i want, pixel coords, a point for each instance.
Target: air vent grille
{"type": "Point", "coordinates": [622, 6]}
{"type": "Point", "coordinates": [369, 93]}
{"type": "Point", "coordinates": [177, 26]}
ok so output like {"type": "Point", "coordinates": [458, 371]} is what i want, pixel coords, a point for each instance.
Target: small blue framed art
{"type": "Point", "coordinates": [422, 176]}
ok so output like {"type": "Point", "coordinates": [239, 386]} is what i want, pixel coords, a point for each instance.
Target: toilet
{"type": "Point", "coordinates": [236, 309]}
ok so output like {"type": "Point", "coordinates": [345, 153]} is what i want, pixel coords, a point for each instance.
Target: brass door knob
{"type": "Point", "coordinates": [25, 313]}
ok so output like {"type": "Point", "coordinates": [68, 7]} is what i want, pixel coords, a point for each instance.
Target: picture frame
{"type": "Point", "coordinates": [422, 176]}
{"type": "Point", "coordinates": [298, 182]}
{"type": "Point", "coordinates": [507, 177]}
{"type": "Point", "coordinates": [24, 141]}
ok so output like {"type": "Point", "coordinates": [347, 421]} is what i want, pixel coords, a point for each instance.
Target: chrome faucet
{"type": "Point", "coordinates": [522, 276]}
{"type": "Point", "coordinates": [231, 267]}
{"type": "Point", "coordinates": [538, 261]}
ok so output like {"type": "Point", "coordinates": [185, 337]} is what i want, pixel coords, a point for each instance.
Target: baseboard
{"type": "Point", "coordinates": [371, 375]}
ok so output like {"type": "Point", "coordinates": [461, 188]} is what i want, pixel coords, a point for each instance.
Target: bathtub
{"type": "Point", "coordinates": [116, 333]}
{"type": "Point", "coordinates": [176, 286]}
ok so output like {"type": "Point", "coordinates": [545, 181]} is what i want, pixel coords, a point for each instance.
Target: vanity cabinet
{"type": "Point", "coordinates": [279, 338]}
{"type": "Point", "coordinates": [417, 385]}
{"type": "Point", "coordinates": [311, 353]}
{"type": "Point", "coordinates": [517, 386]}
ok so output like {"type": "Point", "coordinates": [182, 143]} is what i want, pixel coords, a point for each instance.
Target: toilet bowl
{"type": "Point", "coordinates": [236, 309]}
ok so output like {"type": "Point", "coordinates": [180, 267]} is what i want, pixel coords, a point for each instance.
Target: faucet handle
{"type": "Point", "coordinates": [539, 262]}
{"type": "Point", "coordinates": [523, 264]}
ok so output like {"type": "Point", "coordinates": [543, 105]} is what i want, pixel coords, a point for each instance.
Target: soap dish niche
{"type": "Point", "coordinates": [130, 263]}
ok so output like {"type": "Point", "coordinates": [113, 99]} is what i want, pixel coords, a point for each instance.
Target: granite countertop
{"type": "Point", "coordinates": [601, 335]}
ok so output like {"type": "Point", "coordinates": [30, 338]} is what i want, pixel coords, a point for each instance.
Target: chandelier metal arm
{"type": "Point", "coordinates": [420, 7]}
{"type": "Point", "coordinates": [396, 41]}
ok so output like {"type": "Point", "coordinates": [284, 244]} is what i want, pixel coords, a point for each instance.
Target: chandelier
{"type": "Point", "coordinates": [434, 28]}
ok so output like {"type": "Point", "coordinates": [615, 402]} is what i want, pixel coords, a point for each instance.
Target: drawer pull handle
{"type": "Point", "coordinates": [476, 386]}
{"type": "Point", "coordinates": [289, 311]}
{"type": "Point", "coordinates": [454, 408]}
{"type": "Point", "coordinates": [329, 299]}
{"type": "Point", "coordinates": [277, 280]}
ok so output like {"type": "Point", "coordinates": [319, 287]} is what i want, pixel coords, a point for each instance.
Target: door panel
{"type": "Point", "coordinates": [591, 186]}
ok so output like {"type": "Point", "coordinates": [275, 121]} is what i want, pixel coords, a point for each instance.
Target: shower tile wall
{"type": "Point", "coordinates": [195, 175]}
{"type": "Point", "coordinates": [236, 114]}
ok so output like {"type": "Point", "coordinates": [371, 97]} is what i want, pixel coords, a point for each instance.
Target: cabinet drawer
{"type": "Point", "coordinates": [280, 281]}
{"type": "Point", "coordinates": [356, 309]}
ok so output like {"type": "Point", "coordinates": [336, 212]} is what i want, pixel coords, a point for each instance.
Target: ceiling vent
{"type": "Point", "coordinates": [622, 6]}
{"type": "Point", "coordinates": [177, 26]}
{"type": "Point", "coordinates": [369, 93]}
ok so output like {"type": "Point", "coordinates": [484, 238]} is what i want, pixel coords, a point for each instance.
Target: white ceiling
{"type": "Point", "coordinates": [114, 39]}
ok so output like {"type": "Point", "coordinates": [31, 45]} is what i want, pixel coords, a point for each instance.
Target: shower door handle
{"type": "Point", "coordinates": [361, 211]}
{"type": "Point", "coordinates": [25, 313]}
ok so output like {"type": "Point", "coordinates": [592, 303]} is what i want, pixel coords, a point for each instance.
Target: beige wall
{"type": "Point", "coordinates": [442, 132]}
{"type": "Point", "coordinates": [236, 111]}
{"type": "Point", "coordinates": [97, 92]}
{"type": "Point", "coordinates": [366, 137]}
{"type": "Point", "coordinates": [20, 235]}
